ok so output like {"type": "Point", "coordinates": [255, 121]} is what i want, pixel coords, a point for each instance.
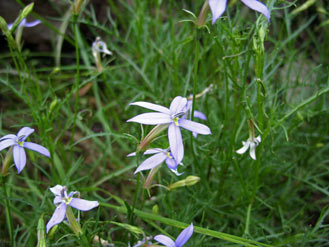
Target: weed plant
{"type": "Point", "coordinates": [255, 77]}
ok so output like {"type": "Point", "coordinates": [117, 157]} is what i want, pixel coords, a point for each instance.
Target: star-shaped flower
{"type": "Point", "coordinates": [175, 117]}
{"type": "Point", "coordinates": [251, 143]}
{"type": "Point", "coordinates": [62, 200]}
{"type": "Point", "coordinates": [180, 241]}
{"type": "Point", "coordinates": [18, 142]}
{"type": "Point", "coordinates": [218, 7]}
{"type": "Point", "coordinates": [159, 156]}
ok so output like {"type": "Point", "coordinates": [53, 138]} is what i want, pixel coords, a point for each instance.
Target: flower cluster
{"type": "Point", "coordinates": [175, 118]}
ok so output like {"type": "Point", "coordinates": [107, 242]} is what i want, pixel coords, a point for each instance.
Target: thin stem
{"type": "Point", "coordinates": [77, 77]}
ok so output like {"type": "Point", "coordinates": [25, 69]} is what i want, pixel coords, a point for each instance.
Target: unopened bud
{"type": "Point", "coordinates": [203, 14]}
{"type": "Point", "coordinates": [189, 181]}
{"type": "Point", "coordinates": [41, 231]}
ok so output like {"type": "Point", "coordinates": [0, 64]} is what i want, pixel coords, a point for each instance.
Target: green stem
{"type": "Point", "coordinates": [8, 213]}
{"type": "Point", "coordinates": [77, 81]}
{"type": "Point", "coordinates": [75, 226]}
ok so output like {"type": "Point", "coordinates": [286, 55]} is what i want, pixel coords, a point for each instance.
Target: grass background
{"type": "Point", "coordinates": [279, 200]}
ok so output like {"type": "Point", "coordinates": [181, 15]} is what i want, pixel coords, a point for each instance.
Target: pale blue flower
{"type": "Point", "coordinates": [180, 241]}
{"type": "Point", "coordinates": [218, 7]}
{"type": "Point", "coordinates": [160, 155]}
{"type": "Point", "coordinates": [62, 200]}
{"type": "Point", "coordinates": [175, 118]}
{"type": "Point", "coordinates": [18, 142]}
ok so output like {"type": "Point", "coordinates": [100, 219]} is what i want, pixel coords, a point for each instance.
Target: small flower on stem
{"type": "Point", "coordinates": [251, 143]}
{"type": "Point", "coordinates": [99, 47]}
{"type": "Point", "coordinates": [180, 241]}
{"type": "Point", "coordinates": [18, 142]}
{"type": "Point", "coordinates": [159, 156]}
{"type": "Point", "coordinates": [218, 7]}
{"type": "Point", "coordinates": [175, 118]}
{"type": "Point", "coordinates": [64, 202]}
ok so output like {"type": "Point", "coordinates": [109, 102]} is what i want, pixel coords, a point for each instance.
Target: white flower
{"type": "Point", "coordinates": [251, 143]}
{"type": "Point", "coordinates": [100, 47]}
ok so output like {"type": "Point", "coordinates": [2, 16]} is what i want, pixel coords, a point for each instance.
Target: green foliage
{"type": "Point", "coordinates": [273, 73]}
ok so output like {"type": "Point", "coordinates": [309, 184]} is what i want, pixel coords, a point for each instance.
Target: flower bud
{"type": "Point", "coordinates": [189, 181]}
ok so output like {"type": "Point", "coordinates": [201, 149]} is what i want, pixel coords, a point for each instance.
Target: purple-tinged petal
{"type": "Point", "coordinates": [10, 26]}
{"type": "Point", "coordinates": [217, 8]}
{"type": "Point", "coordinates": [244, 148]}
{"type": "Point", "coordinates": [166, 241]}
{"type": "Point", "coordinates": [154, 151]}
{"type": "Point", "coordinates": [151, 106]}
{"type": "Point", "coordinates": [194, 127]}
{"type": "Point", "coordinates": [131, 154]}
{"type": "Point", "coordinates": [184, 236]}
{"type": "Point", "coordinates": [10, 136]}
{"type": "Point", "coordinates": [151, 118]}
{"type": "Point", "coordinates": [58, 216]}
{"type": "Point", "coordinates": [171, 163]}
{"type": "Point", "coordinates": [178, 105]}
{"type": "Point", "coordinates": [36, 147]}
{"type": "Point", "coordinates": [195, 135]}
{"type": "Point", "coordinates": [6, 143]}
{"type": "Point", "coordinates": [200, 115]}
{"type": "Point", "coordinates": [252, 150]}
{"type": "Point", "coordinates": [31, 24]}
{"type": "Point", "coordinates": [83, 205]}
{"type": "Point", "coordinates": [19, 158]}
{"type": "Point", "coordinates": [57, 190]}
{"type": "Point", "coordinates": [57, 199]}
{"type": "Point", "coordinates": [176, 142]}
{"type": "Point", "coordinates": [258, 139]}
{"type": "Point", "coordinates": [24, 132]}
{"type": "Point", "coordinates": [151, 162]}
{"type": "Point", "coordinates": [176, 172]}
{"type": "Point", "coordinates": [258, 6]}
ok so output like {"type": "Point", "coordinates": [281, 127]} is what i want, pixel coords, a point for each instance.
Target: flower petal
{"type": "Point", "coordinates": [10, 136]}
{"type": "Point", "coordinates": [36, 147]}
{"type": "Point", "coordinates": [252, 150]}
{"type": "Point", "coordinates": [24, 132]}
{"type": "Point", "coordinates": [244, 148]}
{"type": "Point", "coordinates": [131, 154]}
{"type": "Point", "coordinates": [83, 205]}
{"type": "Point", "coordinates": [154, 151]}
{"type": "Point", "coordinates": [166, 241]}
{"type": "Point", "coordinates": [258, 139]}
{"type": "Point", "coordinates": [217, 8]}
{"type": "Point", "coordinates": [258, 6]}
{"type": "Point", "coordinates": [151, 118]}
{"type": "Point", "coordinates": [194, 127]}
{"type": "Point", "coordinates": [178, 105]}
{"type": "Point", "coordinates": [184, 236]}
{"type": "Point", "coordinates": [57, 199]}
{"type": "Point", "coordinates": [151, 162]}
{"type": "Point", "coordinates": [171, 163]}
{"type": "Point", "coordinates": [19, 158]}
{"type": "Point", "coordinates": [58, 216]}
{"type": "Point", "coordinates": [151, 106]}
{"type": "Point", "coordinates": [199, 114]}
{"type": "Point", "coordinates": [57, 190]}
{"type": "Point", "coordinates": [6, 143]}
{"type": "Point", "coordinates": [31, 24]}
{"type": "Point", "coordinates": [176, 142]}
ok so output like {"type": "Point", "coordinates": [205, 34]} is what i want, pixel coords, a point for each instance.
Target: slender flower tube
{"type": "Point", "coordinates": [180, 241]}
{"type": "Point", "coordinates": [159, 156]}
{"type": "Point", "coordinates": [218, 7]}
{"type": "Point", "coordinates": [63, 200]}
{"type": "Point", "coordinates": [175, 117]}
{"type": "Point", "coordinates": [18, 143]}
